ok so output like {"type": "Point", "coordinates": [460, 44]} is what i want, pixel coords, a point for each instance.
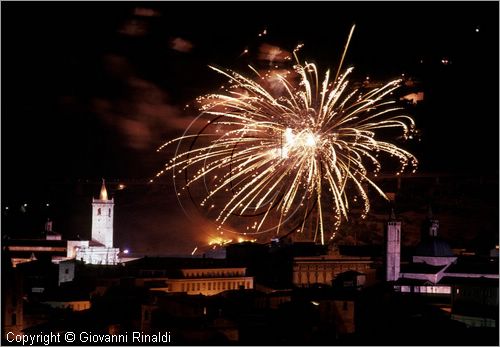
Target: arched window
{"type": "Point", "coordinates": [99, 211]}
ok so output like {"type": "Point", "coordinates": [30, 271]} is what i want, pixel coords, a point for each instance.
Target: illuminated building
{"type": "Point", "coordinates": [210, 281]}
{"type": "Point", "coordinates": [393, 249]}
{"type": "Point", "coordinates": [324, 269]}
{"type": "Point", "coordinates": [50, 247]}
{"type": "Point", "coordinates": [27, 250]}
{"type": "Point", "coordinates": [189, 275]}
{"type": "Point", "coordinates": [470, 281]}
{"type": "Point", "coordinates": [100, 249]}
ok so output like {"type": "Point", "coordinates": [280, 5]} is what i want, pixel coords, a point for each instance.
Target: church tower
{"type": "Point", "coordinates": [430, 227]}
{"type": "Point", "coordinates": [102, 218]}
{"type": "Point", "coordinates": [393, 248]}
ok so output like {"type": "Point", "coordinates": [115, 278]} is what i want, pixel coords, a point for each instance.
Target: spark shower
{"type": "Point", "coordinates": [287, 150]}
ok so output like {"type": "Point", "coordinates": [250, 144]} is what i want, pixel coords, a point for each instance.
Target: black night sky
{"type": "Point", "coordinates": [90, 90]}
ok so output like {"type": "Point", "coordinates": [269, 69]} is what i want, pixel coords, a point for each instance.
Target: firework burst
{"type": "Point", "coordinates": [286, 144]}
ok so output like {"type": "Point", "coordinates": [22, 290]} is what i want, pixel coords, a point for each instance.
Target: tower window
{"type": "Point", "coordinates": [109, 212]}
{"type": "Point", "coordinates": [99, 211]}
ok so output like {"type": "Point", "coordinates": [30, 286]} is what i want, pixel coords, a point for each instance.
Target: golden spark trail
{"type": "Point", "coordinates": [308, 151]}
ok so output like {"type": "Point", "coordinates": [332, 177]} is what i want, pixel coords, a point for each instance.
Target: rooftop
{"type": "Point", "coordinates": [475, 265]}
{"type": "Point", "coordinates": [165, 263]}
{"type": "Point", "coordinates": [434, 247]}
{"type": "Point", "coordinates": [470, 281]}
{"type": "Point", "coordinates": [421, 268]}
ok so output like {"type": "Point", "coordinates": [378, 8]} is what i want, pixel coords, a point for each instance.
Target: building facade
{"type": "Point", "coordinates": [393, 249]}
{"type": "Point", "coordinates": [208, 281]}
{"type": "Point", "coordinates": [308, 271]}
{"type": "Point", "coordinates": [100, 250]}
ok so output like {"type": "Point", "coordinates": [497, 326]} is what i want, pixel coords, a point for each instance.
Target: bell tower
{"type": "Point", "coordinates": [102, 218]}
{"type": "Point", "coordinates": [430, 227]}
{"type": "Point", "coordinates": [393, 248]}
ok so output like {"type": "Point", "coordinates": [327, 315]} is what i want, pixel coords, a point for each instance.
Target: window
{"type": "Point", "coordinates": [109, 212]}
{"type": "Point", "coordinates": [99, 211]}
{"type": "Point", "coordinates": [209, 285]}
{"type": "Point", "coordinates": [66, 271]}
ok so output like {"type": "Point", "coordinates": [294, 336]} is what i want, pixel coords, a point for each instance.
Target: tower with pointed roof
{"type": "Point", "coordinates": [393, 248]}
{"type": "Point", "coordinates": [431, 226]}
{"type": "Point", "coordinates": [102, 218]}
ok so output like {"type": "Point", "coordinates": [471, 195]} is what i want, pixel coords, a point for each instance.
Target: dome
{"type": "Point", "coordinates": [434, 247]}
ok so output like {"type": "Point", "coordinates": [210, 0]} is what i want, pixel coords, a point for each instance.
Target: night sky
{"type": "Point", "coordinates": [90, 90]}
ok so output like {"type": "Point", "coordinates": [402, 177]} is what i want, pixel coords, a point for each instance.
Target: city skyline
{"type": "Point", "coordinates": [189, 173]}
{"type": "Point", "coordinates": [99, 99]}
